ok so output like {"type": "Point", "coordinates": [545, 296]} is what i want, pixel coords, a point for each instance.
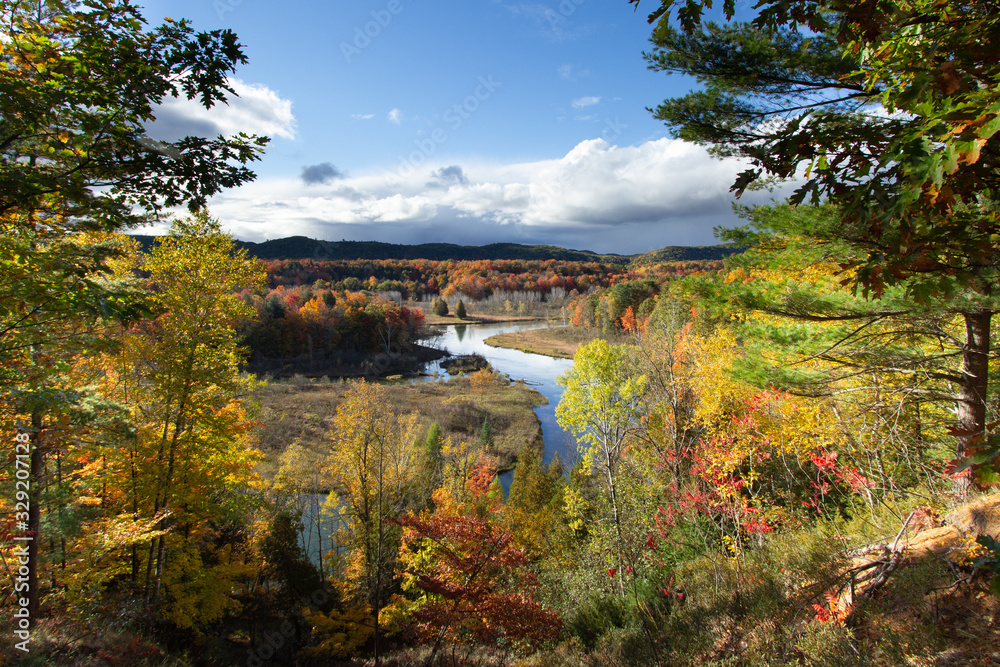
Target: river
{"type": "Point", "coordinates": [538, 371]}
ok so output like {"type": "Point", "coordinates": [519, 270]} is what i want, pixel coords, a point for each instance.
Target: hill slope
{"type": "Point", "coordinates": [301, 247]}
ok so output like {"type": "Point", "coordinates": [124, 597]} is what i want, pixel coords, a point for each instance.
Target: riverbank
{"type": "Point", "coordinates": [430, 319]}
{"type": "Point", "coordinates": [560, 342]}
{"type": "Point", "coordinates": [347, 364]}
{"type": "Point", "coordinates": [302, 412]}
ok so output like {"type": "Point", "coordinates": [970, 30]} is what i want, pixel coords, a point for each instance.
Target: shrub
{"type": "Point", "coordinates": [460, 310]}
{"type": "Point", "coordinates": [439, 307]}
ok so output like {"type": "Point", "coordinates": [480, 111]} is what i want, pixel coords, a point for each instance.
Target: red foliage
{"type": "Point", "coordinates": [478, 583]}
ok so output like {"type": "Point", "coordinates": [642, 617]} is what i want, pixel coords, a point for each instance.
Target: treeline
{"type": "Point", "coordinates": [311, 330]}
{"type": "Point", "coordinates": [628, 305]}
{"type": "Point", "coordinates": [476, 280]}
{"type": "Point", "coordinates": [418, 279]}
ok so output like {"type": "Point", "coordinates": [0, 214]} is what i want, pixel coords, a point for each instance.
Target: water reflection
{"type": "Point", "coordinates": [538, 371]}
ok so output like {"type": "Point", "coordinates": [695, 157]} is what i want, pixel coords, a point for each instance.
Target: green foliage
{"type": "Point", "coordinates": [486, 434]}
{"type": "Point", "coordinates": [79, 85]}
{"type": "Point", "coordinates": [301, 247]}
{"type": "Point", "coordinates": [913, 185]}
{"type": "Point", "coordinates": [439, 307]}
{"type": "Point", "coordinates": [460, 310]}
{"type": "Point", "coordinates": [434, 440]}
{"type": "Point", "coordinates": [601, 402]}
{"type": "Point", "coordinates": [991, 561]}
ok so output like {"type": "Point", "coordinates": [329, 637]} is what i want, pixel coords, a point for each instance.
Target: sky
{"type": "Point", "coordinates": [469, 122]}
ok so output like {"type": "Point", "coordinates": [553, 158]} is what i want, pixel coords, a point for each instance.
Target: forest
{"type": "Point", "coordinates": [786, 457]}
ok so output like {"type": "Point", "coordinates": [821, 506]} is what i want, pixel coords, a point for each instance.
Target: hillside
{"type": "Point", "coordinates": [301, 247]}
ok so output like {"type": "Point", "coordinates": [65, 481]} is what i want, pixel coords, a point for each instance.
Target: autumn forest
{"type": "Point", "coordinates": [785, 457]}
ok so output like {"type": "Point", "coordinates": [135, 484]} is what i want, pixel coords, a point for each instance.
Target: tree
{"type": "Point", "coordinates": [178, 375]}
{"type": "Point", "coordinates": [78, 85]}
{"type": "Point", "coordinates": [916, 353]}
{"type": "Point", "coordinates": [601, 406]}
{"type": "Point", "coordinates": [460, 310]}
{"type": "Point", "coordinates": [534, 506]}
{"type": "Point", "coordinates": [801, 84]}
{"type": "Point", "coordinates": [476, 581]}
{"type": "Point", "coordinates": [439, 307]}
{"type": "Point", "coordinates": [371, 468]}
{"type": "Point", "coordinates": [805, 85]}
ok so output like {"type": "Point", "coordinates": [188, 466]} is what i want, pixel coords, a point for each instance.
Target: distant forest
{"type": "Point", "coordinates": [301, 247]}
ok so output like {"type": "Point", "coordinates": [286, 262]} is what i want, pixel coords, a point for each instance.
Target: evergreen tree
{"type": "Point", "coordinates": [460, 310]}
{"type": "Point", "coordinates": [486, 434]}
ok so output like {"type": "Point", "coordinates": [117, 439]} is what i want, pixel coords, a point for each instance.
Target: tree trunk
{"type": "Point", "coordinates": [618, 528]}
{"type": "Point", "coordinates": [972, 391]}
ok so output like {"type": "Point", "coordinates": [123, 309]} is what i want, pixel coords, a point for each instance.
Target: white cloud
{"type": "Point", "coordinates": [589, 101]}
{"type": "Point", "coordinates": [256, 110]}
{"type": "Point", "coordinates": [598, 196]}
{"type": "Point", "coordinates": [395, 116]}
{"type": "Point", "coordinates": [362, 116]}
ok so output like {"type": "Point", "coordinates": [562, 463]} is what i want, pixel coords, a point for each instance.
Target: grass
{"type": "Point", "coordinates": [430, 319]}
{"type": "Point", "coordinates": [552, 342]}
{"type": "Point", "coordinates": [301, 411]}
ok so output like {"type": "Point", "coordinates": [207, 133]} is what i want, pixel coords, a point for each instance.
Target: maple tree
{"type": "Point", "coordinates": [476, 583]}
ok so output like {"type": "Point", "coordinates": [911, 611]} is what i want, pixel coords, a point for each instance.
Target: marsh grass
{"type": "Point", "coordinates": [302, 412]}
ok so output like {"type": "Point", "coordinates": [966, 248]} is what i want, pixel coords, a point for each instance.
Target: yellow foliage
{"type": "Point", "coordinates": [198, 594]}
{"type": "Point", "coordinates": [483, 380]}
{"type": "Point", "coordinates": [747, 418]}
{"type": "Point", "coordinates": [340, 634]}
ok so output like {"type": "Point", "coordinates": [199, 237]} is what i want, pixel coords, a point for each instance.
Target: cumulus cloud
{"type": "Point", "coordinates": [395, 116]}
{"type": "Point", "coordinates": [599, 196]}
{"type": "Point", "coordinates": [448, 176]}
{"type": "Point", "coordinates": [320, 173]}
{"type": "Point", "coordinates": [589, 101]}
{"type": "Point", "coordinates": [256, 110]}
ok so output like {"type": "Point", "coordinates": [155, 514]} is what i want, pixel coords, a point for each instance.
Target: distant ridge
{"type": "Point", "coordinates": [301, 247]}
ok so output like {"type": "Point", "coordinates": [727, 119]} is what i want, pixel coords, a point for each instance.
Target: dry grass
{"type": "Point", "coordinates": [553, 342]}
{"type": "Point", "coordinates": [301, 411]}
{"type": "Point", "coordinates": [476, 318]}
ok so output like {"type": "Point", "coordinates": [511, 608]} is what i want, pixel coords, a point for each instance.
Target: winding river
{"type": "Point", "coordinates": [537, 370]}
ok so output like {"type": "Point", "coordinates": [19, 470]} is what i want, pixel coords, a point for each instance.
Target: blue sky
{"type": "Point", "coordinates": [470, 122]}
